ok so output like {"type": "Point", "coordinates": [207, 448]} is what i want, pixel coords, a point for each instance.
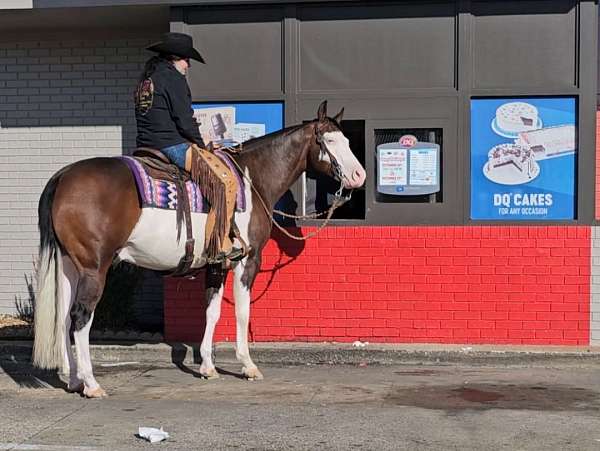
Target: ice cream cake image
{"type": "Point", "coordinates": [511, 164]}
{"type": "Point", "coordinates": [549, 142]}
{"type": "Point", "coordinates": [515, 117]}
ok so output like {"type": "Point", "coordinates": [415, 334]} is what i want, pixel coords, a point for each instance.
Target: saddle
{"type": "Point", "coordinates": [158, 166]}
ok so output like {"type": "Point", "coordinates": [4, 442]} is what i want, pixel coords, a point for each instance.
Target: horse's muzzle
{"type": "Point", "coordinates": [356, 179]}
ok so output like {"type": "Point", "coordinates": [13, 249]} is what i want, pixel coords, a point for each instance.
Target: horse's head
{"type": "Point", "coordinates": [331, 152]}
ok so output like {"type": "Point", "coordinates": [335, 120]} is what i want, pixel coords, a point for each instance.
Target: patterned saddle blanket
{"type": "Point", "coordinates": [156, 193]}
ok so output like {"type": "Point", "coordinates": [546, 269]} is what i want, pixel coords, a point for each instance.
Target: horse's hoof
{"type": "Point", "coordinates": [252, 374]}
{"type": "Point", "coordinates": [75, 388]}
{"type": "Point", "coordinates": [97, 392]}
{"type": "Point", "coordinates": [210, 373]}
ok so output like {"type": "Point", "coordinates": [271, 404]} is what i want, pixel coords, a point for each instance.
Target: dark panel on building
{"type": "Point", "coordinates": [242, 49]}
{"type": "Point", "coordinates": [377, 47]}
{"type": "Point", "coordinates": [524, 44]}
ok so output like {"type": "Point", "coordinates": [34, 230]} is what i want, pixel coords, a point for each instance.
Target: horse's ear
{"type": "Point", "coordinates": [338, 117]}
{"type": "Point", "coordinates": [322, 113]}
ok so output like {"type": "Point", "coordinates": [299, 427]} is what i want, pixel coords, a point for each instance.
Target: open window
{"type": "Point", "coordinates": [319, 190]}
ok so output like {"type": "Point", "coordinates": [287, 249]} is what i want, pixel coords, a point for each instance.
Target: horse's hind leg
{"type": "Point", "coordinates": [91, 285]}
{"type": "Point", "coordinates": [70, 279]}
{"type": "Point", "coordinates": [214, 295]}
{"type": "Point", "coordinates": [92, 212]}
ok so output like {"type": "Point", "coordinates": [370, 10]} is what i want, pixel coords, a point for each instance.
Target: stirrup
{"type": "Point", "coordinates": [237, 235]}
{"type": "Point", "coordinates": [234, 255]}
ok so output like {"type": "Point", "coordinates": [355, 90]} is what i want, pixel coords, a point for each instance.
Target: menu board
{"type": "Point", "coordinates": [393, 167]}
{"type": "Point", "coordinates": [408, 169]}
{"type": "Point", "coordinates": [423, 166]}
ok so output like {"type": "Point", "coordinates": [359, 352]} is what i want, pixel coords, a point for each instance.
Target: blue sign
{"type": "Point", "coordinates": [233, 123]}
{"type": "Point", "coordinates": [523, 158]}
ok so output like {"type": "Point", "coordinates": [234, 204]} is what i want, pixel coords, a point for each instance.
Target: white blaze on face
{"type": "Point", "coordinates": [337, 144]}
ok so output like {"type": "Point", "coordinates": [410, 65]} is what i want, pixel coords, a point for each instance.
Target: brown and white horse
{"type": "Point", "coordinates": [90, 216]}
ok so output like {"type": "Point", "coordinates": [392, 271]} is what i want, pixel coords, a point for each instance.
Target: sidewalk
{"type": "Point", "coordinates": [331, 353]}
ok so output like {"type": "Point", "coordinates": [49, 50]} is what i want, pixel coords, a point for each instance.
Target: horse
{"type": "Point", "coordinates": [90, 217]}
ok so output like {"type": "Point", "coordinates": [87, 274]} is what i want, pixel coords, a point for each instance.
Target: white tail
{"type": "Point", "coordinates": [49, 324]}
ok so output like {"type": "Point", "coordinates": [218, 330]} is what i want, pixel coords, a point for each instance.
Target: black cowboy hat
{"type": "Point", "coordinates": [178, 44]}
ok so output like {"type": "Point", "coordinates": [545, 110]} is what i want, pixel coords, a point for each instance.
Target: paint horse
{"type": "Point", "coordinates": [90, 216]}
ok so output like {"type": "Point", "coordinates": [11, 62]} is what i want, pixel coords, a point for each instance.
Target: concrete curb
{"type": "Point", "coordinates": [328, 353]}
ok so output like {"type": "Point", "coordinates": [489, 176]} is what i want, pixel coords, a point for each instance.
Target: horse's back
{"type": "Point", "coordinates": [98, 170]}
{"type": "Point", "coordinates": [95, 206]}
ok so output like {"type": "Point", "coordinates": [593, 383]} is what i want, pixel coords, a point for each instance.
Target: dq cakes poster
{"type": "Point", "coordinates": [523, 158]}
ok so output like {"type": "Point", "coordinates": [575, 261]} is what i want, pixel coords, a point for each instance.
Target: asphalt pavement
{"type": "Point", "coordinates": [431, 406]}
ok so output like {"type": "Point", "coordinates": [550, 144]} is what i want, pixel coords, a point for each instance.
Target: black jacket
{"type": "Point", "coordinates": [165, 116]}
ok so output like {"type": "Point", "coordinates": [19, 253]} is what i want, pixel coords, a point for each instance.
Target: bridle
{"type": "Point", "coordinates": [335, 168]}
{"type": "Point", "coordinates": [338, 200]}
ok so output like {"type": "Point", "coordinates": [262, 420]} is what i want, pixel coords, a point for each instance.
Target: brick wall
{"type": "Point", "coordinates": [60, 101]}
{"type": "Point", "coordinates": [505, 285]}
{"type": "Point", "coordinates": [595, 289]}
{"type": "Point", "coordinates": [597, 185]}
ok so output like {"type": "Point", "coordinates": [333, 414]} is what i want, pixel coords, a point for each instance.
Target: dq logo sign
{"type": "Point", "coordinates": [408, 141]}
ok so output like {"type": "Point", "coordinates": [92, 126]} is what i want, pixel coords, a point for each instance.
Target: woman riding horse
{"type": "Point", "coordinates": [90, 216]}
{"type": "Point", "coordinates": [165, 121]}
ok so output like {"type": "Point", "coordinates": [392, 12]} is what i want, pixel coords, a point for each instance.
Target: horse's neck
{"type": "Point", "coordinates": [274, 167]}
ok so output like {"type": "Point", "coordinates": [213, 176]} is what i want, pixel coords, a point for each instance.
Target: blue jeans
{"type": "Point", "coordinates": [176, 153]}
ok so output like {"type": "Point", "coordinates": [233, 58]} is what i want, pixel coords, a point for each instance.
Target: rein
{"type": "Point", "coordinates": [338, 200]}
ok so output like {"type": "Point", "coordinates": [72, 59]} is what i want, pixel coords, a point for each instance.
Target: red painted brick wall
{"type": "Point", "coordinates": [476, 284]}
{"type": "Point", "coordinates": [597, 164]}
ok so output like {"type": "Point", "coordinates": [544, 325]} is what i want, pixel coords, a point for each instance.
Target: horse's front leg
{"type": "Point", "coordinates": [214, 294]}
{"type": "Point", "coordinates": [244, 275]}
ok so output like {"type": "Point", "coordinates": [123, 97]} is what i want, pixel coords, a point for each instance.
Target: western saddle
{"type": "Point", "coordinates": [158, 166]}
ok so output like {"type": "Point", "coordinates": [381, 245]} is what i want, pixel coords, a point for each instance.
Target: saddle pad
{"type": "Point", "coordinates": [156, 193]}
{"type": "Point", "coordinates": [241, 193]}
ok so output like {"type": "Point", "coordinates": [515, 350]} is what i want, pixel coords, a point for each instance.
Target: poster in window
{"type": "Point", "coordinates": [229, 124]}
{"type": "Point", "coordinates": [523, 155]}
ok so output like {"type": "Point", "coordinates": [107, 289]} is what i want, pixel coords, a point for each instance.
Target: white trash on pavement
{"type": "Point", "coordinates": [360, 344]}
{"type": "Point", "coordinates": [153, 435]}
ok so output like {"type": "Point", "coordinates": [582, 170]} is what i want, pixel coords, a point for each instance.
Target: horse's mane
{"type": "Point", "coordinates": [256, 143]}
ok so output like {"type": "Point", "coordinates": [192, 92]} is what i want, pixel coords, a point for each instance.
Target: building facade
{"type": "Point", "coordinates": [485, 232]}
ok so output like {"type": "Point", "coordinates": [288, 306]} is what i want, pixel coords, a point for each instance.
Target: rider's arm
{"type": "Point", "coordinates": [180, 102]}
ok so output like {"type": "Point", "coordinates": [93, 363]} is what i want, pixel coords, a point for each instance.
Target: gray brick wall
{"type": "Point", "coordinates": [60, 101]}
{"type": "Point", "coordinates": [595, 289]}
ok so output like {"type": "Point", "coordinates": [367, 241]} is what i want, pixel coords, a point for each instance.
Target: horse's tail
{"type": "Point", "coordinates": [49, 319]}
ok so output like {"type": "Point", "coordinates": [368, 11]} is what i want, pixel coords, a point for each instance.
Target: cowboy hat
{"type": "Point", "coordinates": [178, 44]}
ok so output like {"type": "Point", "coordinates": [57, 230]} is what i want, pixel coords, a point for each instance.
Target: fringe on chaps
{"type": "Point", "coordinates": [214, 178]}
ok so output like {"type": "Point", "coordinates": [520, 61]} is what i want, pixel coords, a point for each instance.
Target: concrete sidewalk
{"type": "Point", "coordinates": [337, 353]}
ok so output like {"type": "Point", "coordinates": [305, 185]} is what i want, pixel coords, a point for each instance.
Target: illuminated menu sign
{"type": "Point", "coordinates": [408, 167]}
